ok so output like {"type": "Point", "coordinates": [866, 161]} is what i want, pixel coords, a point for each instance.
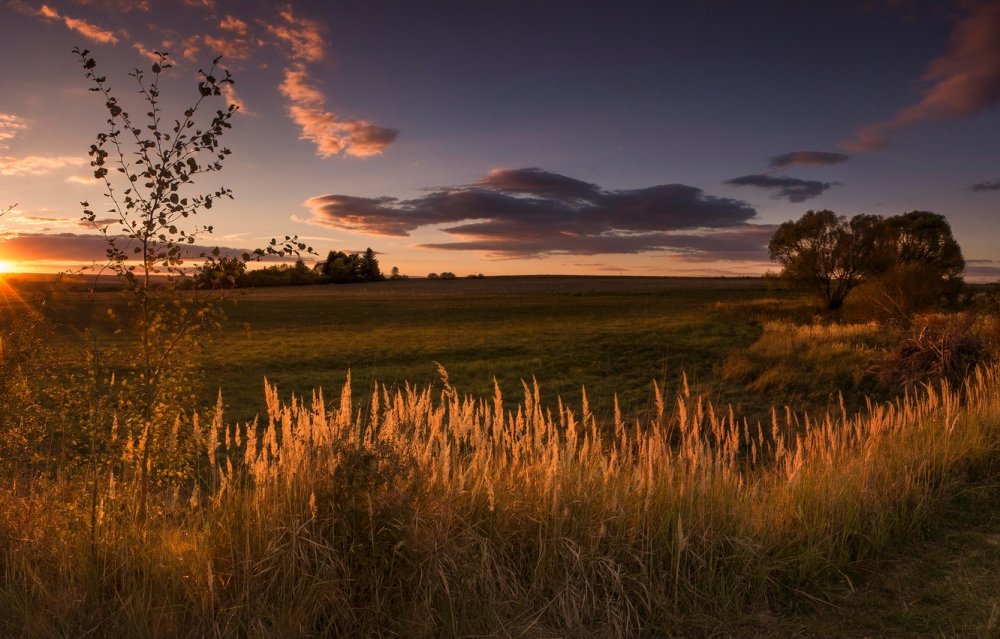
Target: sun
{"type": "Point", "coordinates": [6, 267]}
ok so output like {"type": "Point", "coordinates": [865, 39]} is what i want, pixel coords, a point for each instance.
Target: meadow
{"type": "Point", "coordinates": [412, 499]}
{"type": "Point", "coordinates": [610, 335]}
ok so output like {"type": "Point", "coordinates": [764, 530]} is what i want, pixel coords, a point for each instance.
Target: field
{"type": "Point", "coordinates": [441, 505]}
{"type": "Point", "coordinates": [609, 335]}
{"type": "Point", "coordinates": [606, 334]}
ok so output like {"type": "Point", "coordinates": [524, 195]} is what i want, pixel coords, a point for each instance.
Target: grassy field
{"type": "Point", "coordinates": [607, 334]}
{"type": "Point", "coordinates": [426, 512]}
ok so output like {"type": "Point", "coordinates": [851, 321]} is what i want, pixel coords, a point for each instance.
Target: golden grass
{"type": "Point", "coordinates": [434, 514]}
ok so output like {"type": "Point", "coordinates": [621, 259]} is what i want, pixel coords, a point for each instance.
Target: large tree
{"type": "Point", "coordinates": [827, 252]}
{"type": "Point", "coordinates": [924, 238]}
{"type": "Point", "coordinates": [834, 255]}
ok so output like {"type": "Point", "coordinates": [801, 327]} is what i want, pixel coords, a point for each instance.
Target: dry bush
{"type": "Point", "coordinates": [937, 346]}
{"type": "Point", "coordinates": [896, 296]}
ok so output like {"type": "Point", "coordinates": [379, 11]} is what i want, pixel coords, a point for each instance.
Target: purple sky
{"type": "Point", "coordinates": [527, 137]}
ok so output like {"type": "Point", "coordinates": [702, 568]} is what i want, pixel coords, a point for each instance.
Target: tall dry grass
{"type": "Point", "coordinates": [433, 514]}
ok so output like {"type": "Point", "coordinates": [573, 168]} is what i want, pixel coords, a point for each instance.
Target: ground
{"type": "Point", "coordinates": [944, 583]}
{"type": "Point", "coordinates": [612, 336]}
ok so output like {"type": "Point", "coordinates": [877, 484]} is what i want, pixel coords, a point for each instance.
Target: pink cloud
{"type": "Point", "coordinates": [357, 138]}
{"type": "Point", "coordinates": [301, 35]}
{"type": "Point", "coordinates": [11, 125]}
{"type": "Point", "coordinates": [231, 97]}
{"type": "Point", "coordinates": [297, 88]}
{"type": "Point", "coordinates": [83, 180]}
{"type": "Point", "coordinates": [146, 53]}
{"type": "Point", "coordinates": [33, 165]}
{"type": "Point", "coordinates": [231, 23]}
{"type": "Point", "coordinates": [232, 48]}
{"type": "Point", "coordinates": [961, 82]}
{"type": "Point", "coordinates": [190, 48]}
{"type": "Point", "coordinates": [84, 28]}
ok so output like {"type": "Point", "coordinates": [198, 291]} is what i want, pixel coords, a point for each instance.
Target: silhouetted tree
{"type": "Point", "coordinates": [369, 266]}
{"type": "Point", "coordinates": [833, 255]}
{"type": "Point", "coordinates": [344, 268]}
{"type": "Point", "coordinates": [827, 252]}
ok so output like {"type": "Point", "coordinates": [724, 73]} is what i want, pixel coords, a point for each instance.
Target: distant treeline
{"type": "Point", "coordinates": [338, 268]}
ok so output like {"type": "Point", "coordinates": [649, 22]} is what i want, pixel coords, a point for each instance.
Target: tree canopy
{"type": "Point", "coordinates": [341, 267]}
{"type": "Point", "coordinates": [833, 254]}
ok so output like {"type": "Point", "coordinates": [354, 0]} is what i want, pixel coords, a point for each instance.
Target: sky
{"type": "Point", "coordinates": [522, 137]}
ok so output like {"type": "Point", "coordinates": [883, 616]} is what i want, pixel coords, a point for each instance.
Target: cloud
{"type": "Point", "coordinates": [982, 270]}
{"type": "Point", "coordinates": [48, 223]}
{"type": "Point", "coordinates": [231, 48]}
{"type": "Point", "coordinates": [11, 125]}
{"type": "Point", "coordinates": [358, 138]}
{"type": "Point", "coordinates": [84, 28]}
{"type": "Point", "coordinates": [201, 4]}
{"type": "Point", "coordinates": [807, 158]}
{"type": "Point", "coordinates": [191, 47]}
{"type": "Point", "coordinates": [234, 24]}
{"type": "Point", "coordinates": [231, 97]}
{"type": "Point", "coordinates": [961, 82]}
{"type": "Point", "coordinates": [792, 189]}
{"type": "Point", "coordinates": [80, 247]}
{"type": "Point", "coordinates": [85, 180]}
{"type": "Point", "coordinates": [532, 212]}
{"type": "Point", "coordinates": [149, 54]}
{"type": "Point", "coordinates": [299, 39]}
{"type": "Point", "coordinates": [33, 165]}
{"type": "Point", "coordinates": [982, 187]}
{"type": "Point", "coordinates": [301, 35]}
{"type": "Point", "coordinates": [303, 43]}
{"type": "Point", "coordinates": [745, 243]}
{"type": "Point", "coordinates": [118, 6]}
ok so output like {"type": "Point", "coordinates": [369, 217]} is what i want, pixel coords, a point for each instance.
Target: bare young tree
{"type": "Point", "coordinates": [148, 166]}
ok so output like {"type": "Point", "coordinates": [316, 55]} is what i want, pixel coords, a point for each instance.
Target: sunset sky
{"type": "Point", "coordinates": [653, 138]}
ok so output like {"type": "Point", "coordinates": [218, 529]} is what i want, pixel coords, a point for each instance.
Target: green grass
{"type": "Point", "coordinates": [608, 334]}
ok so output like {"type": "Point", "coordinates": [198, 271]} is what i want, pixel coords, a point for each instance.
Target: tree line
{"type": "Point", "coordinates": [339, 267]}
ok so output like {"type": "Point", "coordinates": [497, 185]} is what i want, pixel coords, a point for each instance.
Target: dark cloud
{"type": "Point", "coordinates": [532, 212]}
{"type": "Point", "coordinates": [537, 181]}
{"type": "Point", "coordinates": [792, 189]}
{"type": "Point", "coordinates": [807, 158]}
{"type": "Point", "coordinates": [747, 242]}
{"type": "Point", "coordinates": [982, 270]}
{"type": "Point", "coordinates": [986, 186]}
{"type": "Point", "coordinates": [77, 247]}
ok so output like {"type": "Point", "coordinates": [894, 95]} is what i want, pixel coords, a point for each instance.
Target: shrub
{"type": "Point", "coordinates": [937, 346]}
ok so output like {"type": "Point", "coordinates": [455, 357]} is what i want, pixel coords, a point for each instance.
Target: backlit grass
{"type": "Point", "coordinates": [436, 514]}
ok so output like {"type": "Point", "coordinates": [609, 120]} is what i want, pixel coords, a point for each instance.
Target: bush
{"type": "Point", "coordinates": [897, 295]}
{"type": "Point", "coordinates": [937, 346]}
